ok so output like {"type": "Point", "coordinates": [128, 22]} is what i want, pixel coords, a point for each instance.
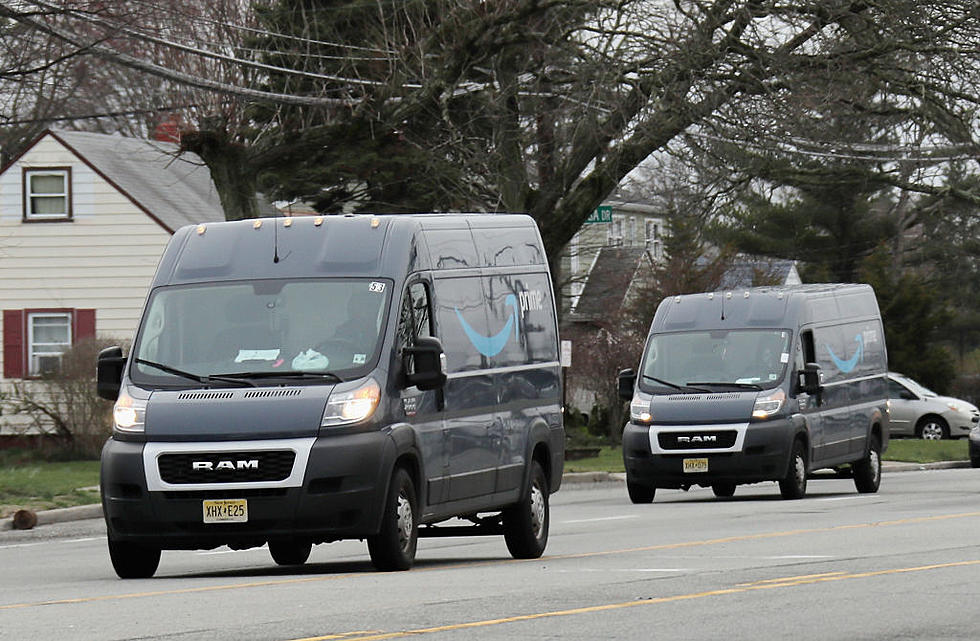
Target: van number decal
{"type": "Point", "coordinates": [376, 287]}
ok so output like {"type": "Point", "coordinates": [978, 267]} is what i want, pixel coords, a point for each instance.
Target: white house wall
{"type": "Point", "coordinates": [104, 259]}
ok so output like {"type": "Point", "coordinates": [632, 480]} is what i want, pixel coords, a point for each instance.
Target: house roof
{"type": "Point", "coordinates": [608, 282]}
{"type": "Point", "coordinates": [173, 190]}
{"type": "Point", "coordinates": [746, 270]}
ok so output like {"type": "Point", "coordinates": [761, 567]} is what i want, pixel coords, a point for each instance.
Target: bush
{"type": "Point", "coordinates": [61, 409]}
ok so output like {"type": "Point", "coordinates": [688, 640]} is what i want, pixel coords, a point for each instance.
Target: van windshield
{"type": "Point", "coordinates": [712, 360]}
{"type": "Point", "coordinates": [260, 330]}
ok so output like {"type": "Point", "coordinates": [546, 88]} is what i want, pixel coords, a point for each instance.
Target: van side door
{"type": "Point", "coordinates": [470, 395]}
{"type": "Point", "coordinates": [423, 409]}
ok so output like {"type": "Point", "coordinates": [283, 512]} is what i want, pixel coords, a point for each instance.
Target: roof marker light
{"type": "Point", "coordinates": [375, 222]}
{"type": "Point", "coordinates": [288, 222]}
{"type": "Point", "coordinates": [728, 295]}
{"type": "Point", "coordinates": [711, 296]}
{"type": "Point", "coordinates": [257, 224]}
{"type": "Point", "coordinates": [746, 294]}
{"type": "Point", "coordinates": [201, 229]}
{"type": "Point", "coordinates": [317, 221]}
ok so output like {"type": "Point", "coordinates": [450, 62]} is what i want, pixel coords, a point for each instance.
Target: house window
{"type": "Point", "coordinates": [47, 194]}
{"type": "Point", "coordinates": [34, 340]}
{"type": "Point", "coordinates": [49, 336]}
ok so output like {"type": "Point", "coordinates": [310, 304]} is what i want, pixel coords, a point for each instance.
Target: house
{"type": "Point", "coordinates": [84, 218]}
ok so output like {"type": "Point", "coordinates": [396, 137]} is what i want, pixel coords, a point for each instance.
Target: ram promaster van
{"type": "Point", "coordinates": [296, 381]}
{"type": "Point", "coordinates": [762, 384]}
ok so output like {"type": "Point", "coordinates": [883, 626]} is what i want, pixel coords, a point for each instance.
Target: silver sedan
{"type": "Point", "coordinates": [914, 410]}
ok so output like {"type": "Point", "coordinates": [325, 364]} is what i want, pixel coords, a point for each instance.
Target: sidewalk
{"type": "Point", "coordinates": [61, 515]}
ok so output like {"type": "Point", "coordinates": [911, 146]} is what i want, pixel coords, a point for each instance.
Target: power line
{"type": "Point", "coordinates": [107, 114]}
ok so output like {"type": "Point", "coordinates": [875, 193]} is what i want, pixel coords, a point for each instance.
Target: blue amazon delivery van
{"type": "Point", "coordinates": [761, 384]}
{"type": "Point", "coordinates": [296, 381]}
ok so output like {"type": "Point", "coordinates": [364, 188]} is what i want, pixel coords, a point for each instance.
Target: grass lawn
{"type": "Point", "coordinates": [45, 485]}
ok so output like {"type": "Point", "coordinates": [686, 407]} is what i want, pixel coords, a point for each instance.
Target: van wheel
{"type": "Point", "coordinates": [793, 486]}
{"type": "Point", "coordinates": [932, 428]}
{"type": "Point", "coordinates": [867, 471]}
{"type": "Point", "coordinates": [393, 548]}
{"type": "Point", "coordinates": [640, 494]}
{"type": "Point", "coordinates": [526, 523]}
{"type": "Point", "coordinates": [132, 561]}
{"type": "Point", "coordinates": [290, 551]}
{"type": "Point", "coordinates": [723, 490]}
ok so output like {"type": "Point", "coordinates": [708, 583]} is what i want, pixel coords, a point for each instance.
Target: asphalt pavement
{"type": "Point", "coordinates": [94, 511]}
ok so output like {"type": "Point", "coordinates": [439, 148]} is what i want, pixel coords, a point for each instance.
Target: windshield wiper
{"type": "Point", "coordinates": [663, 382]}
{"type": "Point", "coordinates": [204, 380]}
{"type": "Point", "coordinates": [248, 376]}
{"type": "Point", "coordinates": [725, 384]}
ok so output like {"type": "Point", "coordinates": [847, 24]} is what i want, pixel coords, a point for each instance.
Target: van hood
{"type": "Point", "coordinates": [686, 409]}
{"type": "Point", "coordinates": [236, 413]}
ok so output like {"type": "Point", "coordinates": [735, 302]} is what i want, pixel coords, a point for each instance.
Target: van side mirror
{"type": "Point", "coordinates": [425, 363]}
{"type": "Point", "coordinates": [810, 379]}
{"type": "Point", "coordinates": [108, 372]}
{"type": "Point", "coordinates": [626, 381]}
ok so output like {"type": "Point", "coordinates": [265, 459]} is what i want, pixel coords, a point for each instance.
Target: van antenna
{"type": "Point", "coordinates": [275, 241]}
{"type": "Point", "coordinates": [722, 307]}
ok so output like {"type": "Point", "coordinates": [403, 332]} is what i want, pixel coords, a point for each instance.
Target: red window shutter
{"type": "Point", "coordinates": [13, 344]}
{"type": "Point", "coordinates": [84, 324]}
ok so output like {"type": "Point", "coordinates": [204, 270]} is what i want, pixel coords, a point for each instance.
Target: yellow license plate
{"type": "Point", "coordinates": [226, 511]}
{"type": "Point", "coordinates": [695, 465]}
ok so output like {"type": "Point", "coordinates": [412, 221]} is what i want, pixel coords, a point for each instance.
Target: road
{"type": "Point", "coordinates": [900, 564]}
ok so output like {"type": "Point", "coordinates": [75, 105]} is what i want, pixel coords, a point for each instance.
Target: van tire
{"type": "Point", "coordinates": [132, 561]}
{"type": "Point", "coordinates": [290, 551]}
{"type": "Point", "coordinates": [526, 523]}
{"type": "Point", "coordinates": [393, 547]}
{"type": "Point", "coordinates": [640, 494]}
{"type": "Point", "coordinates": [867, 471]}
{"type": "Point", "coordinates": [793, 485]}
{"type": "Point", "coordinates": [723, 490]}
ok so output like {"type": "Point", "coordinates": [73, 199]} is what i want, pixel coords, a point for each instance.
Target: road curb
{"type": "Point", "coordinates": [81, 512]}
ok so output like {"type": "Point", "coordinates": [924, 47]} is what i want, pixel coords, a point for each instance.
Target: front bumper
{"type": "Point", "coordinates": [340, 494]}
{"type": "Point", "coordinates": [761, 453]}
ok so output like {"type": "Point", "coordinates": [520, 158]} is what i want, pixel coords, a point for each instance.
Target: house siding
{"type": "Point", "coordinates": [103, 259]}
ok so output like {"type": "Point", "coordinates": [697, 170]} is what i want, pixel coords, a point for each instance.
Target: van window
{"type": "Point", "coordinates": [261, 328]}
{"type": "Point", "coordinates": [415, 320]}
{"type": "Point", "coordinates": [745, 356]}
{"type": "Point", "coordinates": [522, 303]}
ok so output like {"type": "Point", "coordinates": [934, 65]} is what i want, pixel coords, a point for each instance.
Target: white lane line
{"type": "Point", "coordinates": [604, 518]}
{"type": "Point", "coordinates": [55, 542]}
{"type": "Point", "coordinates": [859, 497]}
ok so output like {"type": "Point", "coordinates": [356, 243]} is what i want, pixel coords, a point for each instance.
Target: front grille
{"type": "Point", "coordinates": [708, 439]}
{"type": "Point", "coordinates": [226, 467]}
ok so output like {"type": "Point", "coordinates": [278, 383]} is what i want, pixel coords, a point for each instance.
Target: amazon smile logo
{"type": "Point", "coordinates": [494, 344]}
{"type": "Point", "coordinates": [851, 363]}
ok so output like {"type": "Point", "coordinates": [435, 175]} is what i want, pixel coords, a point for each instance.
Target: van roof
{"type": "Point", "coordinates": [348, 245]}
{"type": "Point", "coordinates": [771, 306]}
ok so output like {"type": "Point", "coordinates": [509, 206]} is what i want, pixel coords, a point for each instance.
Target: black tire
{"type": "Point", "coordinates": [131, 561]}
{"type": "Point", "coordinates": [290, 551]}
{"type": "Point", "coordinates": [526, 523]}
{"type": "Point", "coordinates": [723, 490]}
{"type": "Point", "coordinates": [867, 471]}
{"type": "Point", "coordinates": [393, 547]}
{"type": "Point", "coordinates": [640, 494]}
{"type": "Point", "coordinates": [793, 485]}
{"type": "Point", "coordinates": [932, 428]}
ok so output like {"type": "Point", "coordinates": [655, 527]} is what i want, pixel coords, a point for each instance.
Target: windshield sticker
{"type": "Point", "coordinates": [784, 358]}
{"type": "Point", "coordinates": [376, 287]}
{"type": "Point", "coordinates": [310, 359]}
{"type": "Point", "coordinates": [256, 355]}
{"type": "Point", "coordinates": [360, 359]}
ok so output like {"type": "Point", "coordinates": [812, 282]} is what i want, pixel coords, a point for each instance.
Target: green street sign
{"type": "Point", "coordinates": [602, 214]}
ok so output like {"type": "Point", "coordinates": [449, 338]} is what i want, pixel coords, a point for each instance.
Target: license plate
{"type": "Point", "coordinates": [226, 511]}
{"type": "Point", "coordinates": [694, 465]}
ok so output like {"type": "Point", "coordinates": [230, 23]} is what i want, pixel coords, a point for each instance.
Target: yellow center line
{"type": "Point", "coordinates": [762, 585]}
{"type": "Point", "coordinates": [557, 557]}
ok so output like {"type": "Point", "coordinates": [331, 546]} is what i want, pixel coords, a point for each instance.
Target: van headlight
{"type": "Point", "coordinates": [768, 405]}
{"type": "Point", "coordinates": [129, 414]}
{"type": "Point", "coordinates": [640, 408]}
{"type": "Point", "coordinates": [351, 406]}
